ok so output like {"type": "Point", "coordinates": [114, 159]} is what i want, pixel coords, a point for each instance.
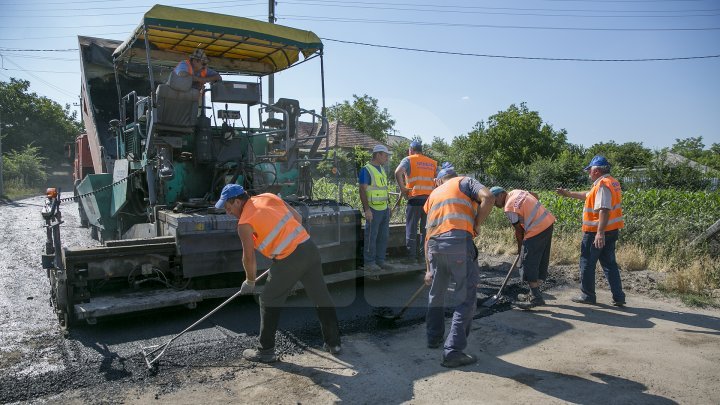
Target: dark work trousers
{"type": "Point", "coordinates": [536, 256]}
{"type": "Point", "coordinates": [452, 261]}
{"type": "Point", "coordinates": [301, 265]}
{"type": "Point", "coordinates": [589, 256]}
{"type": "Point", "coordinates": [415, 215]}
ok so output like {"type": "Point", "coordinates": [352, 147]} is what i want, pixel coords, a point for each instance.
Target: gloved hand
{"type": "Point", "coordinates": [247, 287]}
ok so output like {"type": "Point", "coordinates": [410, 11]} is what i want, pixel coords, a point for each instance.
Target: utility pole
{"type": "Point", "coordinates": [271, 78]}
{"type": "Point", "coordinates": [2, 185]}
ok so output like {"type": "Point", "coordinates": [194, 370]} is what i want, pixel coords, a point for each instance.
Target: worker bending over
{"type": "Point", "coordinates": [455, 210]}
{"type": "Point", "coordinates": [270, 225]}
{"type": "Point", "coordinates": [533, 231]}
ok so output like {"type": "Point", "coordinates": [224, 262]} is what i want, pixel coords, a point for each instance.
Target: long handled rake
{"type": "Point", "coordinates": [150, 351]}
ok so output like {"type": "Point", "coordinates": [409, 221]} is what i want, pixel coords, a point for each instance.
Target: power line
{"type": "Point", "coordinates": [525, 27]}
{"type": "Point", "coordinates": [519, 57]}
{"type": "Point", "coordinates": [496, 10]}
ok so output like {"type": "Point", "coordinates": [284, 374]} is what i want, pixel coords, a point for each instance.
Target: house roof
{"type": "Point", "coordinates": [347, 136]}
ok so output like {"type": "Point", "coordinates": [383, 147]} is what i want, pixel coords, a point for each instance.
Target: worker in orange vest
{"type": "Point", "coordinates": [269, 225]}
{"type": "Point", "coordinates": [533, 225]}
{"type": "Point", "coordinates": [415, 175]}
{"type": "Point", "coordinates": [196, 66]}
{"type": "Point", "coordinates": [455, 210]}
{"type": "Point", "coordinates": [602, 220]}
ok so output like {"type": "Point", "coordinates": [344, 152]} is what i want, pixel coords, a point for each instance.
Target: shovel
{"type": "Point", "coordinates": [149, 351]}
{"type": "Point", "coordinates": [392, 318]}
{"type": "Point", "coordinates": [495, 298]}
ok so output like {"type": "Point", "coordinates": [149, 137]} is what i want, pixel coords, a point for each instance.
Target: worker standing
{"type": "Point", "coordinates": [415, 176]}
{"type": "Point", "coordinates": [374, 197]}
{"type": "Point", "coordinates": [533, 225]}
{"type": "Point", "coordinates": [270, 225]}
{"type": "Point", "coordinates": [455, 210]}
{"type": "Point", "coordinates": [602, 220]}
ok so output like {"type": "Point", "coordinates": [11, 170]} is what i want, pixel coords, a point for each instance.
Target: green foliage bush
{"type": "Point", "coordinates": [24, 168]}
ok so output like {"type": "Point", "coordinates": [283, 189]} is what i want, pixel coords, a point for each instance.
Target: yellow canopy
{"type": "Point", "coordinates": [233, 44]}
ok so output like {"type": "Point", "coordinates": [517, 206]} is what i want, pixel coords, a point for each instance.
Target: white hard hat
{"type": "Point", "coordinates": [380, 148]}
{"type": "Point", "coordinates": [199, 54]}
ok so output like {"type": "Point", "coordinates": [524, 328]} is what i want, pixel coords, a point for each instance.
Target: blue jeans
{"type": "Point", "coordinates": [589, 256]}
{"type": "Point", "coordinates": [414, 215]}
{"type": "Point", "coordinates": [377, 232]}
{"type": "Point", "coordinates": [452, 261]}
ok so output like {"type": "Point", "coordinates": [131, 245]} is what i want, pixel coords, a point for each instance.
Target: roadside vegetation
{"type": "Point", "coordinates": [670, 195]}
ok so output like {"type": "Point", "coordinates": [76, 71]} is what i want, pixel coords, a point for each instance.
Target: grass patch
{"type": "Point", "coordinates": [692, 299]}
{"type": "Point", "coordinates": [631, 257]}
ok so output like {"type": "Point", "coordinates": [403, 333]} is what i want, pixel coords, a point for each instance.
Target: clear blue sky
{"type": "Point", "coordinates": [432, 94]}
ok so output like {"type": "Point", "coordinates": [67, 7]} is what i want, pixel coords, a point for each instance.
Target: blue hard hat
{"type": "Point", "coordinates": [446, 169]}
{"type": "Point", "coordinates": [597, 160]}
{"type": "Point", "coordinates": [228, 192]}
{"type": "Point", "coordinates": [496, 190]}
{"type": "Point", "coordinates": [416, 145]}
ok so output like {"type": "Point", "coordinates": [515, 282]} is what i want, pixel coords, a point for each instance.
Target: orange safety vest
{"type": "Point", "coordinates": [449, 208]}
{"type": "Point", "coordinates": [592, 218]}
{"type": "Point", "coordinates": [534, 218]}
{"type": "Point", "coordinates": [203, 72]}
{"type": "Point", "coordinates": [276, 232]}
{"type": "Point", "coordinates": [423, 170]}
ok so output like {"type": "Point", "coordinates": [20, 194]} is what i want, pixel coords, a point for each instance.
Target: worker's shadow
{"type": "Point", "coordinates": [634, 317]}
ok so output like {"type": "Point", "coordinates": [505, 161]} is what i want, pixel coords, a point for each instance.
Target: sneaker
{"type": "Point", "coordinates": [260, 356]}
{"type": "Point", "coordinates": [619, 304]}
{"type": "Point", "coordinates": [332, 349]}
{"type": "Point", "coordinates": [386, 266]}
{"type": "Point", "coordinates": [582, 300]}
{"type": "Point", "coordinates": [434, 344]}
{"type": "Point", "coordinates": [527, 301]}
{"type": "Point", "coordinates": [458, 360]}
{"type": "Point", "coordinates": [371, 267]}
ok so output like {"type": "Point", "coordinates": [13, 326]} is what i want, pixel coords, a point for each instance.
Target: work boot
{"type": "Point", "coordinates": [527, 301]}
{"type": "Point", "coordinates": [458, 360]}
{"type": "Point", "coordinates": [260, 356]}
{"type": "Point", "coordinates": [332, 349]}
{"type": "Point", "coordinates": [619, 304]}
{"type": "Point", "coordinates": [371, 267]}
{"type": "Point", "coordinates": [582, 300]}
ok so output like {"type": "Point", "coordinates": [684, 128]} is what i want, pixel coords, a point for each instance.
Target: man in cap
{"type": "Point", "coordinates": [374, 197]}
{"type": "Point", "coordinates": [196, 67]}
{"type": "Point", "coordinates": [455, 210]}
{"type": "Point", "coordinates": [602, 220]}
{"type": "Point", "coordinates": [269, 225]}
{"type": "Point", "coordinates": [533, 231]}
{"type": "Point", "coordinates": [415, 176]}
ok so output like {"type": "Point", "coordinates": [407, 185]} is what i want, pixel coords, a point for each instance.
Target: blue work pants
{"type": "Point", "coordinates": [452, 261]}
{"type": "Point", "coordinates": [377, 232]}
{"type": "Point", "coordinates": [414, 215]}
{"type": "Point", "coordinates": [589, 256]}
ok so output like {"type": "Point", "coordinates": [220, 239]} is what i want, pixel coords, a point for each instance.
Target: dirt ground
{"type": "Point", "coordinates": [652, 352]}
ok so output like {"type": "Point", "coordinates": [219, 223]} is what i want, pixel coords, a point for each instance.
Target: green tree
{"type": "Point", "coordinates": [624, 156]}
{"type": "Point", "coordinates": [694, 149]}
{"type": "Point", "coordinates": [365, 115]}
{"type": "Point", "coordinates": [32, 119]}
{"type": "Point", "coordinates": [513, 137]}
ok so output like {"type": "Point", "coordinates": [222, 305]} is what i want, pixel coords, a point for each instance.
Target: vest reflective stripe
{"type": "Point", "coordinates": [276, 232]}
{"type": "Point", "coordinates": [535, 217]}
{"type": "Point", "coordinates": [591, 219]}
{"type": "Point", "coordinates": [423, 170]}
{"type": "Point", "coordinates": [448, 208]}
{"type": "Point", "coordinates": [377, 190]}
{"type": "Point", "coordinates": [203, 72]}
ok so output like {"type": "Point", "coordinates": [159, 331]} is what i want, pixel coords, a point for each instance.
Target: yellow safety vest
{"type": "Point", "coordinates": [378, 189]}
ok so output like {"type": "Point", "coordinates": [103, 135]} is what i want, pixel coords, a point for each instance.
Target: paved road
{"type": "Point", "coordinates": [37, 360]}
